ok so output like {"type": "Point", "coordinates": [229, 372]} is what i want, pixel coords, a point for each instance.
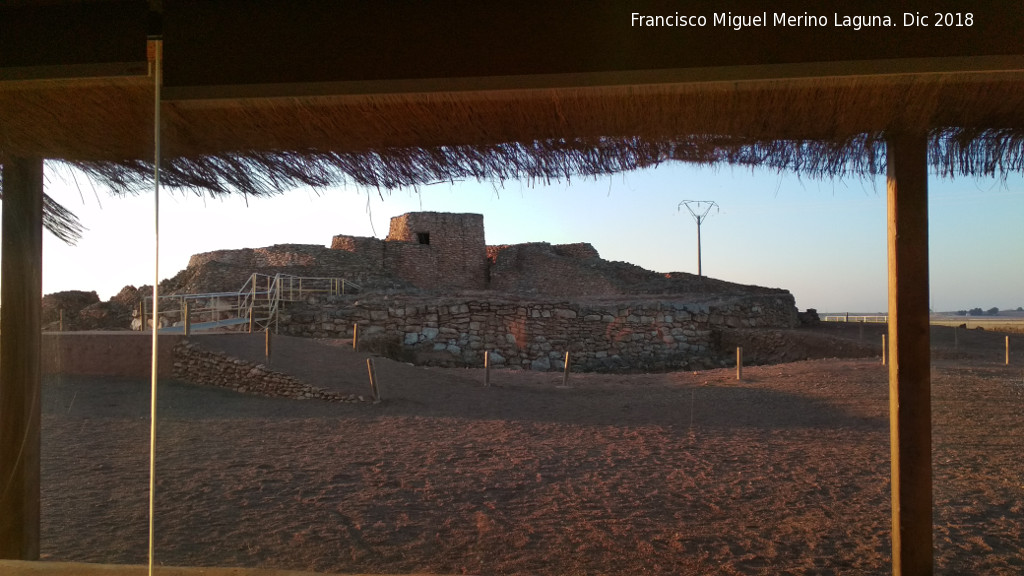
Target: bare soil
{"type": "Point", "coordinates": [784, 472]}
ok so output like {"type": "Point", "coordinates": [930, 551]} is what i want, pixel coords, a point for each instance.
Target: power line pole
{"type": "Point", "coordinates": [699, 209]}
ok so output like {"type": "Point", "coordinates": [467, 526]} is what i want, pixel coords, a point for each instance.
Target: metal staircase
{"type": "Point", "coordinates": [257, 304]}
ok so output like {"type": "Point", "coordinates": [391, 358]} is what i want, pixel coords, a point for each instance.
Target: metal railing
{"type": "Point", "coordinates": [875, 318]}
{"type": "Point", "coordinates": [257, 303]}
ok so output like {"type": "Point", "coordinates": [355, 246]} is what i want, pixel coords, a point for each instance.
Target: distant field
{"type": "Point", "coordinates": [1007, 322]}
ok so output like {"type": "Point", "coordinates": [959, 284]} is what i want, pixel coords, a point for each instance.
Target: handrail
{"type": "Point", "coordinates": [260, 306]}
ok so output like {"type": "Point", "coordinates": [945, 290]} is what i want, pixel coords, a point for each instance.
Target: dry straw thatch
{"type": "Point", "coordinates": [823, 127]}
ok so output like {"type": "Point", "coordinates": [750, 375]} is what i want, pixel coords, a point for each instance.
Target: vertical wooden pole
{"type": "Point", "coordinates": [909, 355]}
{"type": "Point", "coordinates": [885, 351]}
{"type": "Point", "coordinates": [739, 363]}
{"type": "Point", "coordinates": [268, 345]}
{"type": "Point", "coordinates": [565, 372]}
{"type": "Point", "coordinates": [20, 344]}
{"type": "Point", "coordinates": [1007, 350]}
{"type": "Point", "coordinates": [250, 319]}
{"type": "Point", "coordinates": [487, 369]}
{"type": "Point", "coordinates": [374, 386]}
{"type": "Point", "coordinates": [355, 337]}
{"type": "Point", "coordinates": [188, 321]}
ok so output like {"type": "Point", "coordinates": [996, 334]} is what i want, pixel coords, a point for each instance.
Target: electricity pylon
{"type": "Point", "coordinates": [699, 209]}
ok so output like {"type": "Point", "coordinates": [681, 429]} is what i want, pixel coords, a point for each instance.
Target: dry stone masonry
{"type": "Point", "coordinates": [435, 293]}
{"type": "Point", "coordinates": [639, 335]}
{"type": "Point", "coordinates": [198, 365]}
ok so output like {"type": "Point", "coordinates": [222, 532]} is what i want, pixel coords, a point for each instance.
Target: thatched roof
{"type": "Point", "coordinates": [820, 126]}
{"type": "Point", "coordinates": [787, 112]}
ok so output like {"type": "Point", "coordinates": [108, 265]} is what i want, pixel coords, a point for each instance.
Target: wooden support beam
{"type": "Point", "coordinates": [20, 344]}
{"type": "Point", "coordinates": [909, 355]}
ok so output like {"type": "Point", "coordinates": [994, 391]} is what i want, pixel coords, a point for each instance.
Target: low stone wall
{"type": "Point", "coordinates": [615, 336]}
{"type": "Point", "coordinates": [200, 366]}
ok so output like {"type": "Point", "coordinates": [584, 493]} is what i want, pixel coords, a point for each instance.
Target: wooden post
{"type": "Point", "coordinates": [909, 355]}
{"type": "Point", "coordinates": [739, 363]}
{"type": "Point", "coordinates": [885, 350]}
{"type": "Point", "coordinates": [188, 321]}
{"type": "Point", "coordinates": [565, 372]}
{"type": "Point", "coordinates": [487, 369]}
{"type": "Point", "coordinates": [374, 390]}
{"type": "Point", "coordinates": [1007, 350]}
{"type": "Point", "coordinates": [355, 337]}
{"type": "Point", "coordinates": [20, 344]}
{"type": "Point", "coordinates": [268, 345]}
{"type": "Point", "coordinates": [250, 319]}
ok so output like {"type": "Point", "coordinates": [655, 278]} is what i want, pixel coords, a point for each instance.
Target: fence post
{"type": "Point", "coordinates": [565, 373]}
{"type": "Point", "coordinates": [487, 369]}
{"type": "Point", "coordinates": [1007, 350]}
{"type": "Point", "coordinates": [739, 363]}
{"type": "Point", "coordinates": [355, 337]}
{"type": "Point", "coordinates": [374, 388]}
{"type": "Point", "coordinates": [268, 346]}
{"type": "Point", "coordinates": [884, 350]}
{"type": "Point", "coordinates": [188, 322]}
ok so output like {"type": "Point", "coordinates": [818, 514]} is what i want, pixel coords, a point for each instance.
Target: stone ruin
{"type": "Point", "coordinates": [433, 292]}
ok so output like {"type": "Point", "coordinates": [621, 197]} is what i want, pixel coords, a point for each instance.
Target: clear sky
{"type": "Point", "coordinates": [824, 240]}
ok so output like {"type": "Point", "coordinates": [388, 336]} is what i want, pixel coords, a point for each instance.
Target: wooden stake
{"type": "Point", "coordinates": [1007, 350]}
{"type": "Point", "coordinates": [565, 373]}
{"type": "Point", "coordinates": [885, 350]}
{"type": "Point", "coordinates": [739, 363]}
{"type": "Point", "coordinates": [188, 321]}
{"type": "Point", "coordinates": [355, 337]}
{"type": "Point", "coordinates": [909, 358]}
{"type": "Point", "coordinates": [268, 345]}
{"type": "Point", "coordinates": [374, 390]}
{"type": "Point", "coordinates": [487, 369]}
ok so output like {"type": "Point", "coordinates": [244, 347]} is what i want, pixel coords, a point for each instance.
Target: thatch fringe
{"type": "Point", "coordinates": [58, 220]}
{"type": "Point", "coordinates": [952, 152]}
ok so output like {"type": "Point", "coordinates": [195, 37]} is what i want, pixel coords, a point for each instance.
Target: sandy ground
{"type": "Point", "coordinates": [785, 472]}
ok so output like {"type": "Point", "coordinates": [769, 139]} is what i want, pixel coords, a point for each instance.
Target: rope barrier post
{"type": "Point", "coordinates": [374, 390]}
{"type": "Point", "coordinates": [739, 363]}
{"type": "Point", "coordinates": [565, 372]}
{"type": "Point", "coordinates": [1007, 350]}
{"type": "Point", "coordinates": [267, 339]}
{"type": "Point", "coordinates": [487, 369]}
{"type": "Point", "coordinates": [355, 337]}
{"type": "Point", "coordinates": [188, 321]}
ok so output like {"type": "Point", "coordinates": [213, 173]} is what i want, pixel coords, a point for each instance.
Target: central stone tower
{"type": "Point", "coordinates": [438, 250]}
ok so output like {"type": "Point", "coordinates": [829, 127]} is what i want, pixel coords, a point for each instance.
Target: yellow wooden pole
{"type": "Point", "coordinates": [739, 363]}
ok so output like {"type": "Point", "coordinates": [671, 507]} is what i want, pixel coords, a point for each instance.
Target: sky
{"type": "Point", "coordinates": [823, 240]}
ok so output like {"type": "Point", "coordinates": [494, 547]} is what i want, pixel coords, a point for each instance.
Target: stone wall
{"type": "Point", "coordinates": [195, 364]}
{"type": "Point", "coordinates": [636, 335]}
{"type": "Point", "coordinates": [542, 268]}
{"type": "Point", "coordinates": [437, 250]}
